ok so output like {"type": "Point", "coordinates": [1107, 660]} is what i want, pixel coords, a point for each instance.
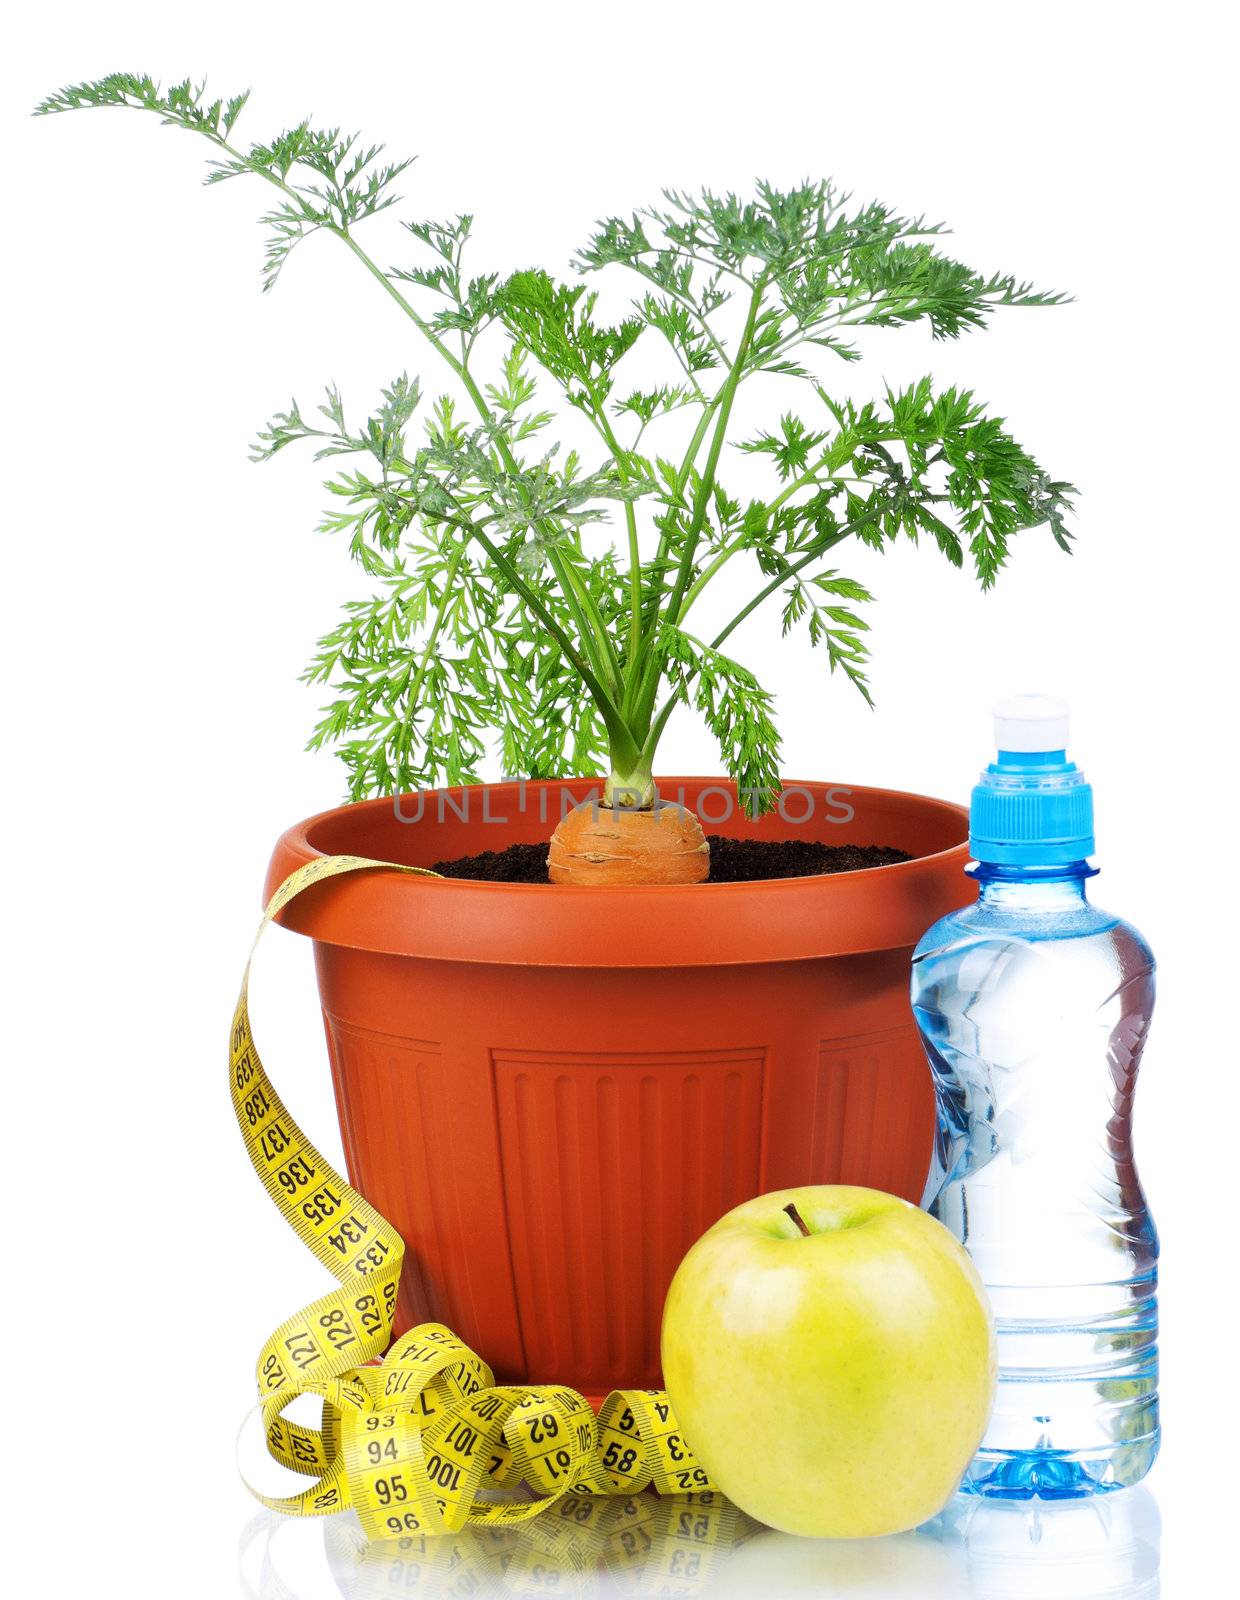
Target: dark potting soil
{"type": "Point", "coordinates": [731, 860]}
{"type": "Point", "coordinates": [520, 863]}
{"type": "Point", "coordinates": [740, 860]}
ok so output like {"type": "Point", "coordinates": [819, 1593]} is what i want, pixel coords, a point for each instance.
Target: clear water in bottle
{"type": "Point", "coordinates": [1033, 1006]}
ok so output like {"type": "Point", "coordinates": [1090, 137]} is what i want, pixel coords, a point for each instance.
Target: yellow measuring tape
{"type": "Point", "coordinates": [424, 1442]}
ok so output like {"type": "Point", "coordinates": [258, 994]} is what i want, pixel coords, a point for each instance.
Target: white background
{"type": "Point", "coordinates": [162, 594]}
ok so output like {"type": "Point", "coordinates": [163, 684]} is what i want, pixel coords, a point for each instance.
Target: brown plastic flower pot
{"type": "Point", "coordinates": [552, 1091]}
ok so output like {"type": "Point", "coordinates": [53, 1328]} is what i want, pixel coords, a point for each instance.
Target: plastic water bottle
{"type": "Point", "coordinates": [1033, 1007]}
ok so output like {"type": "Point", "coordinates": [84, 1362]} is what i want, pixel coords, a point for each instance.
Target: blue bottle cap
{"type": "Point", "coordinates": [1032, 806]}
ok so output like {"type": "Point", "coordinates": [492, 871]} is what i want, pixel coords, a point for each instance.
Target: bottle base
{"type": "Point", "coordinates": [1059, 1474]}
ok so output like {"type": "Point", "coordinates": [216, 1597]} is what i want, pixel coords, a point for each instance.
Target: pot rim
{"type": "Point", "coordinates": [559, 925]}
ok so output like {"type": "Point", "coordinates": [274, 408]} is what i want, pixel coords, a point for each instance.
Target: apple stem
{"type": "Point", "coordinates": [792, 1211]}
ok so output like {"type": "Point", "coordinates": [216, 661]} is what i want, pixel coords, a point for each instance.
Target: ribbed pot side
{"type": "Point", "coordinates": [552, 1091]}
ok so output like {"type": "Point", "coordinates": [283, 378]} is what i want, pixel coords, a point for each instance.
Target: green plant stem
{"type": "Point", "coordinates": [722, 406]}
{"type": "Point", "coordinates": [682, 478]}
{"type": "Point", "coordinates": [706, 481]}
{"type": "Point", "coordinates": [695, 444]}
{"type": "Point", "coordinates": [791, 568]}
{"type": "Point", "coordinates": [590, 625]}
{"type": "Point", "coordinates": [657, 725]}
{"type": "Point", "coordinates": [606, 659]}
{"type": "Point", "coordinates": [742, 542]}
{"type": "Point", "coordinates": [708, 572]}
{"type": "Point", "coordinates": [618, 731]}
{"type": "Point", "coordinates": [420, 322]}
{"type": "Point", "coordinates": [475, 530]}
{"type": "Point", "coordinates": [655, 599]}
{"type": "Point", "coordinates": [619, 455]}
{"type": "Point", "coordinates": [660, 718]}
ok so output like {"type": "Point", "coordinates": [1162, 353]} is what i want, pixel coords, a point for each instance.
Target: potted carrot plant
{"type": "Point", "coordinates": [560, 1061]}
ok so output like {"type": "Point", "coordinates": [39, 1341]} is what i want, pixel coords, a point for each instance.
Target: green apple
{"type": "Point", "coordinates": [830, 1356]}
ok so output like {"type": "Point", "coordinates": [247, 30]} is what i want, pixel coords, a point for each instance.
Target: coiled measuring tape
{"type": "Point", "coordinates": [424, 1441]}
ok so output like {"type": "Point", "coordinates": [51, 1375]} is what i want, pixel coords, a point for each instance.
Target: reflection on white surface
{"type": "Point", "coordinates": [1101, 1549]}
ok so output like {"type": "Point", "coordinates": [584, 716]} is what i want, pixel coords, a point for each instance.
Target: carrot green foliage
{"type": "Point", "coordinates": [545, 602]}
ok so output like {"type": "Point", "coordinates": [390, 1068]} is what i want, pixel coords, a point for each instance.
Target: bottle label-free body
{"type": "Point", "coordinates": [1033, 1018]}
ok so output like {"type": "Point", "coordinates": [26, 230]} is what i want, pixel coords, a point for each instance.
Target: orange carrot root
{"type": "Point", "coordinates": [598, 844]}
